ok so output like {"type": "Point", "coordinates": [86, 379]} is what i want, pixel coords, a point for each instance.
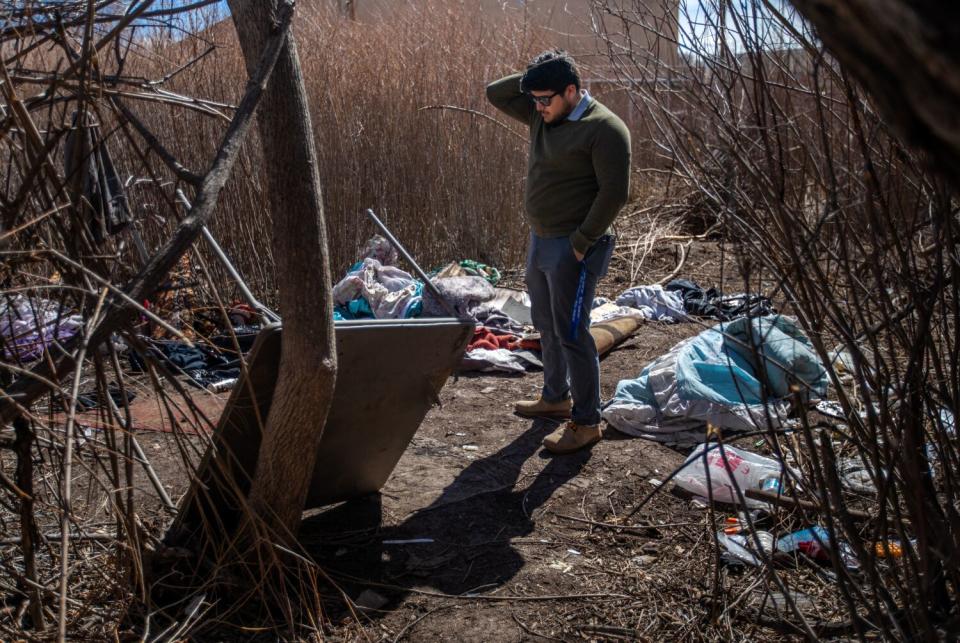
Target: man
{"type": "Point", "coordinates": [578, 178]}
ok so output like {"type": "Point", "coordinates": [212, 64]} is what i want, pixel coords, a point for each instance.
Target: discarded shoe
{"type": "Point", "coordinates": [543, 408]}
{"type": "Point", "coordinates": [571, 437]}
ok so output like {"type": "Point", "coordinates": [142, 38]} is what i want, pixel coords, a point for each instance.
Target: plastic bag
{"type": "Point", "coordinates": [743, 547]}
{"type": "Point", "coordinates": [731, 464]}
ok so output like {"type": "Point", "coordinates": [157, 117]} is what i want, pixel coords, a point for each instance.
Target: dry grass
{"type": "Point", "coordinates": [447, 182]}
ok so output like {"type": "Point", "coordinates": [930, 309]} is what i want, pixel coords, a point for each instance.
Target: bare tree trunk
{"type": "Point", "coordinates": [308, 362]}
{"type": "Point", "coordinates": [905, 54]}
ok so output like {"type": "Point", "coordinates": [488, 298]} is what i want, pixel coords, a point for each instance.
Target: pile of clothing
{"type": "Point", "coordinates": [496, 349]}
{"type": "Point", "coordinates": [713, 304]}
{"type": "Point", "coordinates": [29, 325]}
{"type": "Point", "coordinates": [680, 300]}
{"type": "Point", "coordinates": [375, 287]}
{"type": "Point", "coordinates": [204, 365]}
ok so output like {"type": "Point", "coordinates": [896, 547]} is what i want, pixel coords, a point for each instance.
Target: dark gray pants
{"type": "Point", "coordinates": [571, 366]}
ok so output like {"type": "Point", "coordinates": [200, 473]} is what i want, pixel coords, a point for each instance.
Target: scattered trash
{"type": "Point", "coordinates": [725, 468]}
{"type": "Point", "coordinates": [855, 475]}
{"type": "Point", "coordinates": [743, 547]}
{"type": "Point", "coordinates": [573, 552]}
{"type": "Point", "coordinates": [699, 502]}
{"type": "Point", "coordinates": [655, 482]}
{"type": "Point", "coordinates": [608, 311]}
{"type": "Point", "coordinates": [849, 557]}
{"type": "Point", "coordinates": [813, 542]}
{"type": "Point", "coordinates": [643, 561]}
{"type": "Point", "coordinates": [561, 566]}
{"type": "Point", "coordinates": [770, 483]}
{"type": "Point", "coordinates": [470, 447]}
{"type": "Point", "coordinates": [465, 294]}
{"type": "Point", "coordinates": [373, 289]}
{"type": "Point", "coordinates": [844, 365]}
{"type": "Point", "coordinates": [92, 400]}
{"type": "Point", "coordinates": [888, 549]}
{"type": "Point", "coordinates": [222, 385]}
{"type": "Point", "coordinates": [831, 409]}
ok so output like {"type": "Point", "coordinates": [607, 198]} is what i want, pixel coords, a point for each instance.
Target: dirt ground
{"type": "Point", "coordinates": [500, 541]}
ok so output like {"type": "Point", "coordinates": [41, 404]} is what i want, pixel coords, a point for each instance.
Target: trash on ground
{"type": "Point", "coordinates": [720, 377]}
{"type": "Point", "coordinates": [890, 549]}
{"type": "Point", "coordinates": [813, 543]}
{"type": "Point", "coordinates": [715, 474]}
{"type": "Point", "coordinates": [855, 475]}
{"type": "Point", "coordinates": [222, 385]}
{"type": "Point", "coordinates": [743, 547]}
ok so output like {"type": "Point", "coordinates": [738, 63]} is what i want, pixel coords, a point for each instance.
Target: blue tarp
{"type": "Point", "coordinates": [718, 376]}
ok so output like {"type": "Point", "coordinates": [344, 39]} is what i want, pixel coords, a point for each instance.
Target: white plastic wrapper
{"type": "Point", "coordinates": [731, 464]}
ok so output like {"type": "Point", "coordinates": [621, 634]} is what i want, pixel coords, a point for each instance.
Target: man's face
{"type": "Point", "coordinates": [558, 104]}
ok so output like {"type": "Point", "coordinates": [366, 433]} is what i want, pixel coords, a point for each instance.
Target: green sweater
{"type": "Point", "coordinates": [578, 172]}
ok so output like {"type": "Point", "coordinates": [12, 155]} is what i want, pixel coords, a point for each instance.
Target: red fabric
{"type": "Point", "coordinates": [485, 338]}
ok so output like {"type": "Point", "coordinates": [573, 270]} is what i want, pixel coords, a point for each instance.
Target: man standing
{"type": "Point", "coordinates": [578, 178]}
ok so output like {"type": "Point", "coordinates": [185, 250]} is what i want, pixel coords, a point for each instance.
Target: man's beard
{"type": "Point", "coordinates": [562, 118]}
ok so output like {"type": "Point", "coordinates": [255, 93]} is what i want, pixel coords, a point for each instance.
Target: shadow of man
{"type": "Point", "coordinates": [464, 541]}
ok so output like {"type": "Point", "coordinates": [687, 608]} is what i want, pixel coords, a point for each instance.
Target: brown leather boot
{"type": "Point", "coordinates": [571, 437]}
{"type": "Point", "coordinates": [542, 408]}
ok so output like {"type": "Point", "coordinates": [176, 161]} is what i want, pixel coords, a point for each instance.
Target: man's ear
{"type": "Point", "coordinates": [571, 92]}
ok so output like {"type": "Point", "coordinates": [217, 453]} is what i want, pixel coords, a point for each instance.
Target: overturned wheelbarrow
{"type": "Point", "coordinates": [390, 372]}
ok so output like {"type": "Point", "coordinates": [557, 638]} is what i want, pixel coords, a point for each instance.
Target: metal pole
{"type": "Point", "coordinates": [426, 280]}
{"type": "Point", "coordinates": [225, 260]}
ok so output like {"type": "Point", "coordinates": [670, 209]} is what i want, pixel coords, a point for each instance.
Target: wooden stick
{"type": "Point", "coordinates": [786, 501]}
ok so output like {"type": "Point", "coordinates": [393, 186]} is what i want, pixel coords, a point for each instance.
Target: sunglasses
{"type": "Point", "coordinates": [543, 100]}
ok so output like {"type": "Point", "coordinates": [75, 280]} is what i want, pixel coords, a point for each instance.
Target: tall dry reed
{"type": "Point", "coordinates": [448, 182]}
